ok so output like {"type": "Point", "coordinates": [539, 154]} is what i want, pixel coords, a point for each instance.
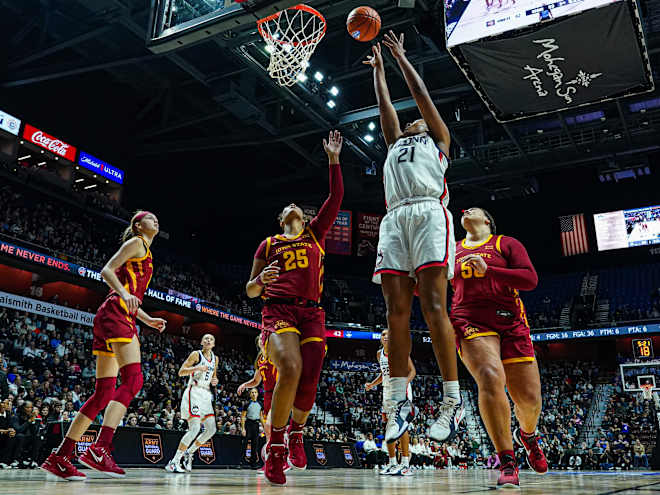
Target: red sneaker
{"type": "Point", "coordinates": [297, 456]}
{"type": "Point", "coordinates": [60, 466]}
{"type": "Point", "coordinates": [508, 476]}
{"type": "Point", "coordinates": [100, 459]}
{"type": "Point", "coordinates": [274, 468]}
{"type": "Point", "coordinates": [535, 457]}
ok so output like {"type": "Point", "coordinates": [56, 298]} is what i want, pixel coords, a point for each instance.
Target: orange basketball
{"type": "Point", "coordinates": [363, 23]}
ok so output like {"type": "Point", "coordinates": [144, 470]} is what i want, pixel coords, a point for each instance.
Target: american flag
{"type": "Point", "coordinates": [573, 235]}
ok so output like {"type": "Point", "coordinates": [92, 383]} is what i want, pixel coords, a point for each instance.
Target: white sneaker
{"type": "Point", "coordinates": [406, 471]}
{"type": "Point", "coordinates": [446, 426]}
{"type": "Point", "coordinates": [174, 467]}
{"type": "Point", "coordinates": [398, 420]}
{"type": "Point", "coordinates": [4, 466]}
{"type": "Point", "coordinates": [396, 470]}
{"type": "Point", "coordinates": [187, 461]}
{"type": "Point", "coordinates": [389, 469]}
{"type": "Point", "coordinates": [34, 465]}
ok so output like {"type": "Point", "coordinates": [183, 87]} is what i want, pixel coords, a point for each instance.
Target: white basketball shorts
{"type": "Point", "coordinates": [196, 402]}
{"type": "Point", "coordinates": [415, 234]}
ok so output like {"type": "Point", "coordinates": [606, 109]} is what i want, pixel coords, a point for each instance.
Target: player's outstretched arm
{"type": "Point", "coordinates": [327, 215]}
{"type": "Point", "coordinates": [256, 380]}
{"type": "Point", "coordinates": [389, 120]}
{"type": "Point", "coordinates": [419, 92]}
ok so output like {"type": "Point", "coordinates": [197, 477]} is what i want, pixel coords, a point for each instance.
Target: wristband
{"type": "Point", "coordinates": [258, 281]}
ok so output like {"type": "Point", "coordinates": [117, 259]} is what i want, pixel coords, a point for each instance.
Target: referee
{"type": "Point", "coordinates": [250, 419]}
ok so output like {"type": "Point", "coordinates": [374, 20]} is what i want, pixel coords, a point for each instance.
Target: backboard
{"type": "Point", "coordinates": [177, 23]}
{"type": "Point", "coordinates": [634, 375]}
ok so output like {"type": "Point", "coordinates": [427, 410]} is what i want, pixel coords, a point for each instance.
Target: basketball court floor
{"type": "Point", "coordinates": [330, 482]}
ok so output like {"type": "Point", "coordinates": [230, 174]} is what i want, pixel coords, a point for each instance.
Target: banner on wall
{"type": "Point", "coordinates": [341, 365]}
{"type": "Point", "coordinates": [50, 143]}
{"type": "Point", "coordinates": [339, 239]}
{"type": "Point", "coordinates": [368, 226]}
{"type": "Point", "coordinates": [45, 309]}
{"type": "Point", "coordinates": [9, 123]}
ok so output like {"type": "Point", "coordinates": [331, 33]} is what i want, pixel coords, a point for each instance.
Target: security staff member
{"type": "Point", "coordinates": [250, 426]}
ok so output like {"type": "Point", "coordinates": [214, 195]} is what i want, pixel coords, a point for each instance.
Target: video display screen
{"type": "Point", "coordinates": [628, 228]}
{"type": "Point", "coordinates": [470, 20]}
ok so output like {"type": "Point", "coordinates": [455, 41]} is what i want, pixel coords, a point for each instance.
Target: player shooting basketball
{"type": "Point", "coordinates": [416, 241]}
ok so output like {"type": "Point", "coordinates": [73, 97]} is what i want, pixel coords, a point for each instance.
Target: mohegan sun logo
{"type": "Point", "coordinates": [319, 452]}
{"type": "Point", "coordinates": [348, 455]}
{"type": "Point", "coordinates": [206, 452]}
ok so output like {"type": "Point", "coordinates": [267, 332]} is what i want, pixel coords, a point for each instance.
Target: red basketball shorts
{"type": "Point", "coordinates": [112, 323]}
{"type": "Point", "coordinates": [515, 340]}
{"type": "Point", "coordinates": [308, 323]}
{"type": "Point", "coordinates": [268, 400]}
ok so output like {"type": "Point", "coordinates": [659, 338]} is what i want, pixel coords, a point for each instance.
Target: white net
{"type": "Point", "coordinates": [291, 37]}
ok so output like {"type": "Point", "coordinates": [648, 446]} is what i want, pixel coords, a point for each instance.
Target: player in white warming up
{"type": "Point", "coordinates": [393, 468]}
{"type": "Point", "coordinates": [197, 404]}
{"type": "Point", "coordinates": [416, 244]}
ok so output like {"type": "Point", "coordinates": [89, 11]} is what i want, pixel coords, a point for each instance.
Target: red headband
{"type": "Point", "coordinates": [139, 217]}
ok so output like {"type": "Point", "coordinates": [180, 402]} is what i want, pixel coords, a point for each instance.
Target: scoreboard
{"type": "Point", "coordinates": [643, 348]}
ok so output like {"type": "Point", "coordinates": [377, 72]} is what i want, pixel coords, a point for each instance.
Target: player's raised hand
{"type": "Point", "coordinates": [376, 57]}
{"type": "Point", "coordinates": [242, 388]}
{"type": "Point", "coordinates": [270, 273]}
{"type": "Point", "coordinates": [333, 146]}
{"type": "Point", "coordinates": [395, 44]}
{"type": "Point", "coordinates": [368, 386]}
{"type": "Point", "coordinates": [477, 263]}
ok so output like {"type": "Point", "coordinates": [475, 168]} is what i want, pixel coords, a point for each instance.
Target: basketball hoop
{"type": "Point", "coordinates": [647, 391]}
{"type": "Point", "coordinates": [291, 37]}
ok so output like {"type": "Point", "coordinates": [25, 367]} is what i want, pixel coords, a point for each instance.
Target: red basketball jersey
{"type": "Point", "coordinates": [268, 373]}
{"type": "Point", "coordinates": [301, 265]}
{"type": "Point", "coordinates": [509, 269]}
{"type": "Point", "coordinates": [135, 275]}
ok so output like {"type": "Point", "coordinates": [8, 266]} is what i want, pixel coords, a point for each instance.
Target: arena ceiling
{"type": "Point", "coordinates": [206, 117]}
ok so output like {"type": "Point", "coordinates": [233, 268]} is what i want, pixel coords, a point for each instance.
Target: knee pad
{"type": "Point", "coordinates": [209, 430]}
{"type": "Point", "coordinates": [312, 361]}
{"type": "Point", "coordinates": [191, 434]}
{"type": "Point", "coordinates": [131, 383]}
{"type": "Point", "coordinates": [103, 392]}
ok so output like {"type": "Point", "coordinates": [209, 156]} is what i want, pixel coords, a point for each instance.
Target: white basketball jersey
{"type": "Point", "coordinates": [385, 371]}
{"type": "Point", "coordinates": [203, 379]}
{"type": "Point", "coordinates": [415, 166]}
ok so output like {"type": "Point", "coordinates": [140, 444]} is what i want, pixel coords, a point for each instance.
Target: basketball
{"type": "Point", "coordinates": [363, 23]}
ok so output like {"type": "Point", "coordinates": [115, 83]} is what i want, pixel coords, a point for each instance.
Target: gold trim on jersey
{"type": "Point", "coordinates": [476, 245]}
{"type": "Point", "coordinates": [287, 329]}
{"type": "Point", "coordinates": [284, 238]}
{"type": "Point", "coordinates": [146, 247]}
{"type": "Point", "coordinates": [316, 241]}
{"type": "Point", "coordinates": [524, 359]}
{"type": "Point", "coordinates": [311, 339]}
{"type": "Point", "coordinates": [480, 334]}
{"type": "Point", "coordinates": [498, 244]}
{"type": "Point", "coordinates": [269, 241]}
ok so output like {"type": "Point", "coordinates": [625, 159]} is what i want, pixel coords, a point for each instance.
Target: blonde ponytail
{"type": "Point", "coordinates": [131, 230]}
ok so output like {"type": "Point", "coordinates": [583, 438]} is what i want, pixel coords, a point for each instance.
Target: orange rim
{"type": "Point", "coordinates": [305, 8]}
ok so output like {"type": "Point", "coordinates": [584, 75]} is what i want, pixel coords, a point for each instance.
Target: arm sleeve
{"type": "Point", "coordinates": [261, 250]}
{"type": "Point", "coordinates": [322, 222]}
{"type": "Point", "coordinates": [520, 274]}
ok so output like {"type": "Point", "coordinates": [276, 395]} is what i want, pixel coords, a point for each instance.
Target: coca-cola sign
{"type": "Point", "coordinates": [50, 143]}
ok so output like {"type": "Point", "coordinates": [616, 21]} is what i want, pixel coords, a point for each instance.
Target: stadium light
{"type": "Point", "coordinates": [41, 163]}
{"type": "Point", "coordinates": [372, 126]}
{"type": "Point", "coordinates": [369, 138]}
{"type": "Point", "coordinates": [302, 77]}
{"type": "Point", "coordinates": [79, 180]}
{"type": "Point", "coordinates": [90, 187]}
{"type": "Point", "coordinates": [24, 157]}
{"type": "Point", "coordinates": [318, 76]}
{"type": "Point", "coordinates": [334, 91]}
{"type": "Point", "coordinates": [331, 103]}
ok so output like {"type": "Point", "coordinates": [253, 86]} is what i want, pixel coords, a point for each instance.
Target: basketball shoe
{"type": "Point", "coordinates": [508, 474]}
{"type": "Point", "coordinates": [100, 459]}
{"type": "Point", "coordinates": [297, 457]}
{"type": "Point", "coordinates": [451, 415]}
{"type": "Point", "coordinates": [398, 420]}
{"type": "Point", "coordinates": [174, 467]}
{"type": "Point", "coordinates": [535, 457]}
{"type": "Point", "coordinates": [389, 469]}
{"type": "Point", "coordinates": [187, 461]}
{"type": "Point", "coordinates": [274, 468]}
{"type": "Point", "coordinates": [400, 470]}
{"type": "Point", "coordinates": [60, 466]}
